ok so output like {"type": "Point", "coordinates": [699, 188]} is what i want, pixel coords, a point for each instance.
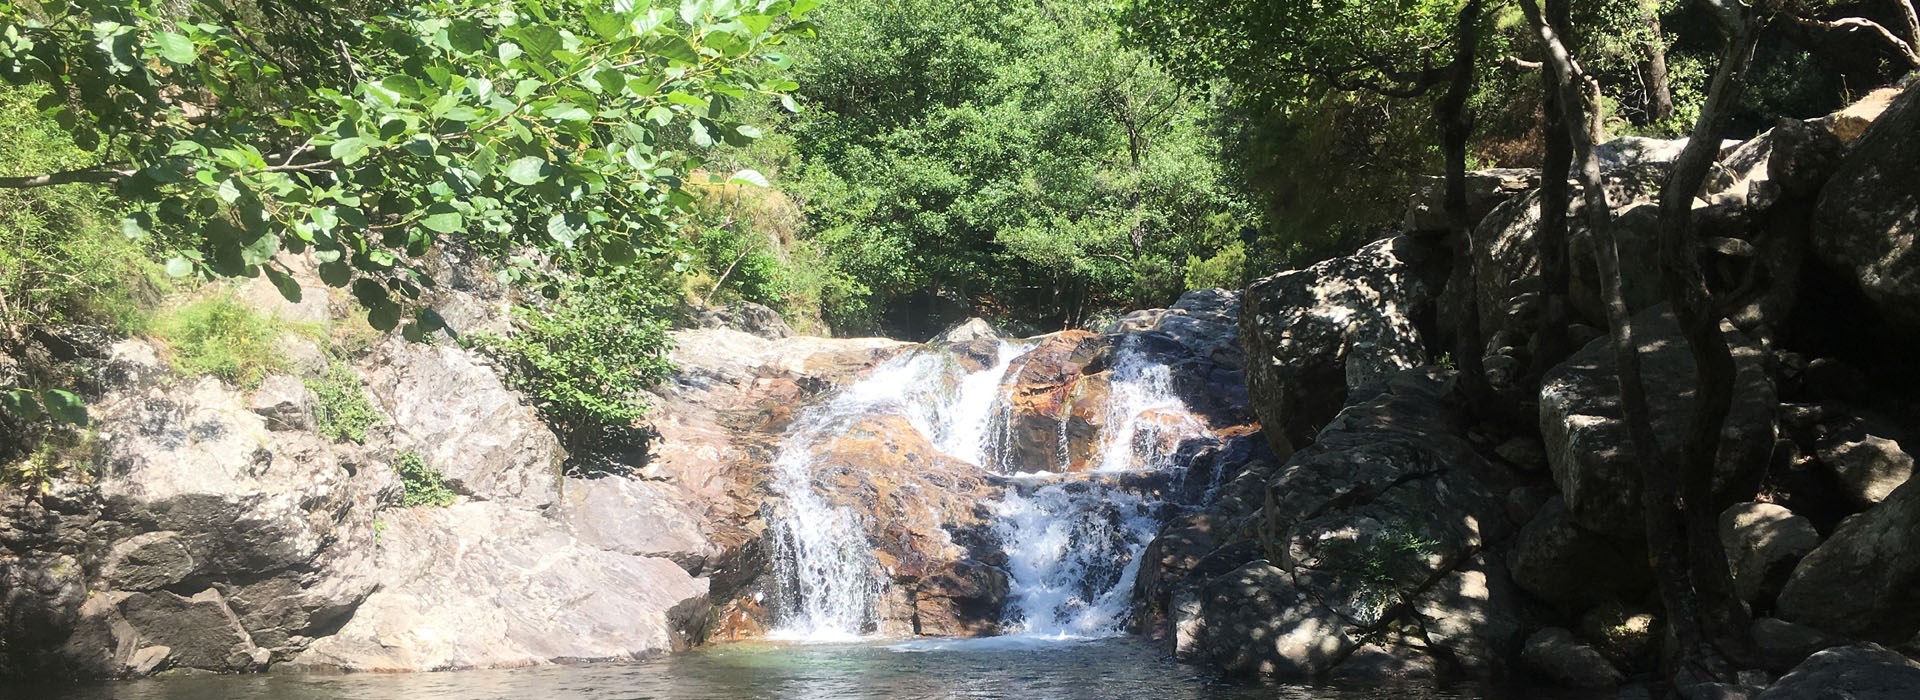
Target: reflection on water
{"type": "Point", "coordinates": [1121, 669]}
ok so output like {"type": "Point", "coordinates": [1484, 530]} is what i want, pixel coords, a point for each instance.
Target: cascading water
{"type": "Point", "coordinates": [829, 582]}
{"type": "Point", "coordinates": [1072, 541]}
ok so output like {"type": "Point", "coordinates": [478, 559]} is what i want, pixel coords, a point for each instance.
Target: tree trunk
{"type": "Point", "coordinates": [1693, 305]}
{"type": "Point", "coordinates": [1653, 72]}
{"type": "Point", "coordinates": [1551, 240]}
{"type": "Point", "coordinates": [1666, 538]}
{"type": "Point", "coordinates": [1456, 127]}
{"type": "Point", "coordinates": [1912, 20]}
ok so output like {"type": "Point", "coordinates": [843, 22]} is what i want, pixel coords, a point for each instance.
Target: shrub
{"type": "Point", "coordinates": [219, 335]}
{"type": "Point", "coordinates": [423, 485]}
{"type": "Point", "coordinates": [340, 407]}
{"type": "Point", "coordinates": [586, 359]}
{"type": "Point", "coordinates": [63, 258]}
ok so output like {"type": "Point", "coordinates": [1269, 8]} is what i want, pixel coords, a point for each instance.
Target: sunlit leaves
{"type": "Point", "coordinates": [524, 124]}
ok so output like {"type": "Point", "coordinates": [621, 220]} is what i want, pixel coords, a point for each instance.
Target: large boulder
{"type": "Point", "coordinates": [1867, 222]}
{"type": "Point", "coordinates": [486, 584]}
{"type": "Point", "coordinates": [1372, 538]}
{"type": "Point", "coordinates": [1763, 542]}
{"type": "Point", "coordinates": [452, 409]}
{"type": "Point", "coordinates": [199, 507]}
{"type": "Point", "coordinates": [1042, 394]}
{"type": "Point", "coordinates": [1860, 672]}
{"type": "Point", "coordinates": [1312, 335]}
{"type": "Point", "coordinates": [1586, 434]}
{"type": "Point", "coordinates": [1571, 567]}
{"type": "Point", "coordinates": [1555, 655]}
{"type": "Point", "coordinates": [1864, 581]}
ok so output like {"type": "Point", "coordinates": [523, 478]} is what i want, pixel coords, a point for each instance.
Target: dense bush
{"type": "Point", "coordinates": [588, 354]}
{"type": "Point", "coordinates": [63, 258]}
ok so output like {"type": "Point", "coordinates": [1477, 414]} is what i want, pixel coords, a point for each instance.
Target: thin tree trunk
{"type": "Point", "coordinates": [1665, 536]}
{"type": "Point", "coordinates": [1653, 72]}
{"type": "Point", "coordinates": [1456, 127]}
{"type": "Point", "coordinates": [1693, 305]}
{"type": "Point", "coordinates": [1554, 344]}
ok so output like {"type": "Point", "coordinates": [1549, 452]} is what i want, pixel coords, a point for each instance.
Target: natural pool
{"type": "Point", "coordinates": [1005, 667]}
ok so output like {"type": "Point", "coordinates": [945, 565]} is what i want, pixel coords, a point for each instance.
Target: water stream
{"type": "Point", "coordinates": [1072, 541]}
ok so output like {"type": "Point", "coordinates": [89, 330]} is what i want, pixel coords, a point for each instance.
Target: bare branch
{"type": "Point", "coordinates": [1851, 25]}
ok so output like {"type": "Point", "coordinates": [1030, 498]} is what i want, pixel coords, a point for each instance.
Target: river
{"type": "Point", "coordinates": [1118, 668]}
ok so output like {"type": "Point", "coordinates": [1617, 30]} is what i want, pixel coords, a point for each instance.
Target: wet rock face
{"type": "Point", "coordinates": [1865, 223]}
{"type": "Point", "coordinates": [1311, 335]}
{"type": "Point", "coordinates": [1586, 436]}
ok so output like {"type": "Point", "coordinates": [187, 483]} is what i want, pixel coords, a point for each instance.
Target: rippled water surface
{"type": "Point", "coordinates": [1122, 669]}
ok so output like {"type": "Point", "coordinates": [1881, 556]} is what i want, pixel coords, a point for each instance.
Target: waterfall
{"type": "Point", "coordinates": [1073, 548]}
{"type": "Point", "coordinates": [828, 581]}
{"type": "Point", "coordinates": [1073, 542]}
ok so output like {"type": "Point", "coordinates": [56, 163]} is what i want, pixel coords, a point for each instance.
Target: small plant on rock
{"type": "Point", "coordinates": [219, 335]}
{"type": "Point", "coordinates": [424, 485]}
{"type": "Point", "coordinates": [341, 409]}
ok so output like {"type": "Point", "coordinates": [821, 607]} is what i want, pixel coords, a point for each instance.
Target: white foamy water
{"type": "Point", "coordinates": [1072, 541]}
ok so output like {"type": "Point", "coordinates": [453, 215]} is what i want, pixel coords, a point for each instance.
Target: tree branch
{"type": "Point", "coordinates": [102, 174]}
{"type": "Point", "coordinates": [1852, 25]}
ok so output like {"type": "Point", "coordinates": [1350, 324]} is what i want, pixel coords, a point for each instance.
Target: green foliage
{"type": "Point", "coordinates": [341, 409]}
{"type": "Point", "coordinates": [66, 452]}
{"type": "Point", "coordinates": [586, 358]}
{"type": "Point", "coordinates": [422, 485]}
{"type": "Point", "coordinates": [1007, 156]}
{"type": "Point", "coordinates": [63, 258]}
{"type": "Point", "coordinates": [219, 335]}
{"type": "Point", "coordinates": [525, 125]}
{"type": "Point", "coordinates": [1227, 269]}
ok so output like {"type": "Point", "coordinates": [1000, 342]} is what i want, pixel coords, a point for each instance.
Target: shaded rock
{"type": "Point", "coordinates": [1783, 645]}
{"type": "Point", "coordinates": [1587, 440]}
{"type": "Point", "coordinates": [973, 342]}
{"type": "Point", "coordinates": [1861, 672]}
{"type": "Point", "coordinates": [1558, 561]}
{"type": "Point", "coordinates": [199, 632]}
{"type": "Point", "coordinates": [484, 584]}
{"type": "Point", "coordinates": [1384, 515]}
{"type": "Point", "coordinates": [1864, 581]}
{"type": "Point", "coordinates": [1312, 335]}
{"type": "Point", "coordinates": [1763, 542]}
{"type": "Point", "coordinates": [1624, 633]}
{"type": "Point", "coordinates": [148, 561]}
{"type": "Point", "coordinates": [962, 598]}
{"type": "Point", "coordinates": [284, 402]}
{"type": "Point", "coordinates": [1427, 210]}
{"type": "Point", "coordinates": [1868, 466]}
{"type": "Point", "coordinates": [747, 317]}
{"type": "Point", "coordinates": [1864, 224]}
{"type": "Point", "coordinates": [1553, 654]}
{"type": "Point", "coordinates": [452, 409]}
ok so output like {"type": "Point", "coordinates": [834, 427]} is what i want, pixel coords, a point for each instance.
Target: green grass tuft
{"type": "Point", "coordinates": [220, 336]}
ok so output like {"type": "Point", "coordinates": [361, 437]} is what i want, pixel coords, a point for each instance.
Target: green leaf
{"type": "Point", "coordinates": [20, 402]}
{"type": "Point", "coordinates": [179, 267]}
{"type": "Point", "coordinates": [260, 250]}
{"type": "Point", "coordinates": [526, 171]}
{"type": "Point", "coordinates": [350, 150]}
{"type": "Point", "coordinates": [539, 40]}
{"type": "Point", "coordinates": [135, 227]}
{"type": "Point", "coordinates": [383, 316]}
{"type": "Point", "coordinates": [446, 221]}
{"type": "Point", "coordinates": [289, 288]}
{"type": "Point", "coordinates": [64, 406]}
{"type": "Point", "coordinates": [749, 177]}
{"type": "Point", "coordinates": [175, 48]}
{"type": "Point", "coordinates": [567, 112]}
{"type": "Point", "coordinates": [561, 229]}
